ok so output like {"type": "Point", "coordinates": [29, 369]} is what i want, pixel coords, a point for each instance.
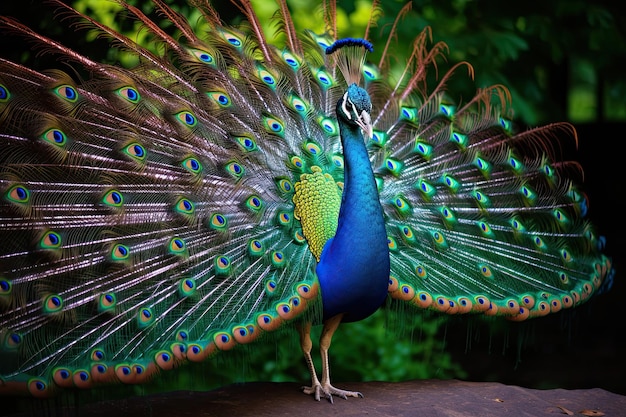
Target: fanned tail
{"type": "Point", "coordinates": [481, 218]}
{"type": "Point", "coordinates": [148, 213]}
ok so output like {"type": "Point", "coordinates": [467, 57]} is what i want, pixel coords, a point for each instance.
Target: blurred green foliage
{"type": "Point", "coordinates": [368, 350]}
{"type": "Point", "coordinates": [560, 59]}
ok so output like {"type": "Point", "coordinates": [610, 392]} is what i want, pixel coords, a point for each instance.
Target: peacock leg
{"type": "Point", "coordinates": [305, 344]}
{"type": "Point", "coordinates": [317, 387]}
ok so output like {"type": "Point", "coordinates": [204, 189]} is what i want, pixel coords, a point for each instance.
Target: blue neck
{"type": "Point", "coordinates": [354, 267]}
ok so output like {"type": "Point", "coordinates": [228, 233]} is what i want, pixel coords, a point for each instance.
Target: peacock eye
{"type": "Point", "coordinates": [348, 108]}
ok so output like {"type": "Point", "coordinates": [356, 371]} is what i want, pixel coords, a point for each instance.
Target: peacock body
{"type": "Point", "coordinates": [227, 188]}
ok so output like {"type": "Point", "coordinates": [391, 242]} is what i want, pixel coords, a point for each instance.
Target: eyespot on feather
{"type": "Point", "coordinates": [307, 291]}
{"type": "Point", "coordinates": [285, 310]}
{"type": "Point", "coordinates": [481, 303]}
{"type": "Point", "coordinates": [165, 360]}
{"type": "Point", "coordinates": [246, 333]}
{"type": "Point", "coordinates": [18, 194]}
{"type": "Point", "coordinates": [192, 165]}
{"type": "Point", "coordinates": [393, 284]}
{"type": "Point", "coordinates": [423, 299]}
{"type": "Point", "coordinates": [200, 350]}
{"type": "Point", "coordinates": [522, 314]}
{"type": "Point", "coordinates": [39, 388]}
{"type": "Point", "coordinates": [66, 92]}
{"type": "Point", "coordinates": [269, 322]}
{"type": "Point", "coordinates": [492, 310]}
{"type": "Point", "coordinates": [106, 302]}
{"type": "Point", "coordinates": [102, 373]}
{"type": "Point", "coordinates": [136, 152]}
{"type": "Point", "coordinates": [50, 240]}
{"type": "Point", "coordinates": [464, 304]}
{"type": "Point", "coordinates": [82, 378]}
{"type": "Point", "coordinates": [5, 287]}
{"type": "Point", "coordinates": [186, 287]}
{"type": "Point", "coordinates": [177, 246]}
{"type": "Point", "coordinates": [405, 292]}
{"type": "Point", "coordinates": [62, 377]}
{"type": "Point", "coordinates": [52, 303]}
{"type": "Point", "coordinates": [224, 341]}
{"type": "Point", "coordinates": [442, 304]}
{"type": "Point", "coordinates": [187, 118]}
{"type": "Point", "coordinates": [113, 198]}
{"type": "Point", "coordinates": [129, 94]}
{"type": "Point", "coordinates": [145, 317]}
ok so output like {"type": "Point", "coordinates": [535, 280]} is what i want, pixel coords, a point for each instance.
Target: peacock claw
{"type": "Point", "coordinates": [328, 391]}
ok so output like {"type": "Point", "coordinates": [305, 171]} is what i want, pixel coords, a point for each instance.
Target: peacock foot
{"type": "Point", "coordinates": [328, 390]}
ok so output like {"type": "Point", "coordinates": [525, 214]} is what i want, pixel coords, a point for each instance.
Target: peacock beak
{"type": "Point", "coordinates": [365, 122]}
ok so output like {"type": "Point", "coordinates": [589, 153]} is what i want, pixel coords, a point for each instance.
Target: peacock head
{"type": "Point", "coordinates": [354, 108]}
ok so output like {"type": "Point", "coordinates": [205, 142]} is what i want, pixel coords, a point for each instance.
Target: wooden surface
{"type": "Point", "coordinates": [421, 398]}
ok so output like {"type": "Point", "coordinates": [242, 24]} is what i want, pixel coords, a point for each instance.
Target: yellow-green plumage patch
{"type": "Point", "coordinates": [317, 199]}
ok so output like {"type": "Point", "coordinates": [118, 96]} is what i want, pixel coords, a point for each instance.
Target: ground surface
{"type": "Point", "coordinates": [424, 398]}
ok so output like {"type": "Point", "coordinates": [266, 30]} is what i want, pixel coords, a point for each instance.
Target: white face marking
{"type": "Point", "coordinates": [363, 120]}
{"type": "Point", "coordinates": [344, 106]}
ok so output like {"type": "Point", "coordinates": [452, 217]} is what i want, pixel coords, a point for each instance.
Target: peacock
{"type": "Point", "coordinates": [226, 188]}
